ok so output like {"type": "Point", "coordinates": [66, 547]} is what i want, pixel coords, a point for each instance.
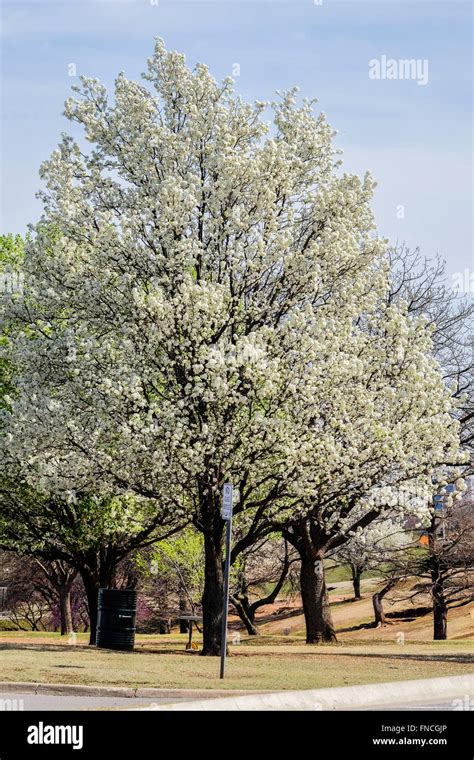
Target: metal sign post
{"type": "Point", "coordinates": [226, 514]}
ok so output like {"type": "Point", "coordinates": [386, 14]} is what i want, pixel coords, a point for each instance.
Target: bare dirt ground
{"type": "Point", "coordinates": [354, 619]}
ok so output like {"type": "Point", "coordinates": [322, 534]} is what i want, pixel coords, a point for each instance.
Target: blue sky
{"type": "Point", "coordinates": [416, 140]}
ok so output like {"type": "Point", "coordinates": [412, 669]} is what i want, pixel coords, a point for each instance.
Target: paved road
{"type": "Point", "coordinates": [11, 700]}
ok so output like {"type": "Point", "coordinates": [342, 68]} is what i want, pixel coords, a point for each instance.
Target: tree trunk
{"type": "Point", "coordinates": [183, 609]}
{"type": "Point", "coordinates": [309, 541]}
{"type": "Point", "coordinates": [65, 609]}
{"type": "Point", "coordinates": [440, 609]}
{"type": "Point", "coordinates": [377, 600]}
{"type": "Point", "coordinates": [437, 571]}
{"type": "Point", "coordinates": [102, 575]}
{"type": "Point", "coordinates": [379, 613]}
{"type": "Point", "coordinates": [317, 613]}
{"type": "Point", "coordinates": [213, 594]}
{"type": "Point", "coordinates": [61, 575]}
{"type": "Point", "coordinates": [91, 587]}
{"type": "Point", "coordinates": [246, 614]}
{"type": "Point", "coordinates": [356, 574]}
{"type": "Point", "coordinates": [440, 619]}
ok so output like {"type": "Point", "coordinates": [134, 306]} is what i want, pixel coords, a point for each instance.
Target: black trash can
{"type": "Point", "coordinates": [116, 618]}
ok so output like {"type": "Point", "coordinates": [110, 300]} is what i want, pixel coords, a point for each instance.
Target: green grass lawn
{"type": "Point", "coordinates": [336, 573]}
{"type": "Point", "coordinates": [272, 663]}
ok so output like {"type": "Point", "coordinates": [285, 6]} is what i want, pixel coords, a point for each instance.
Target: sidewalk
{"type": "Point", "coordinates": [370, 696]}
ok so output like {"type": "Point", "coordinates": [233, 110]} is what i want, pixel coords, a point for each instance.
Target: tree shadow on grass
{"type": "Point", "coordinates": [322, 650]}
{"type": "Point", "coordinates": [174, 649]}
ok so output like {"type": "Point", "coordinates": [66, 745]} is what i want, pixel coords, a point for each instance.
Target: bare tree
{"type": "Point", "coordinates": [29, 601]}
{"type": "Point", "coordinates": [259, 576]}
{"type": "Point", "coordinates": [442, 570]}
{"type": "Point", "coordinates": [448, 569]}
{"type": "Point", "coordinates": [61, 577]}
{"type": "Point", "coordinates": [421, 282]}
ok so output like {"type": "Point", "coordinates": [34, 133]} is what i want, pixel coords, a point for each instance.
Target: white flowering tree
{"type": "Point", "coordinates": [11, 259]}
{"type": "Point", "coordinates": [381, 431]}
{"type": "Point", "coordinates": [205, 301]}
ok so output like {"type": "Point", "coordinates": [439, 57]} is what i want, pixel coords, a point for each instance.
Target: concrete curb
{"type": "Point", "coordinates": [81, 690]}
{"type": "Point", "coordinates": [340, 698]}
